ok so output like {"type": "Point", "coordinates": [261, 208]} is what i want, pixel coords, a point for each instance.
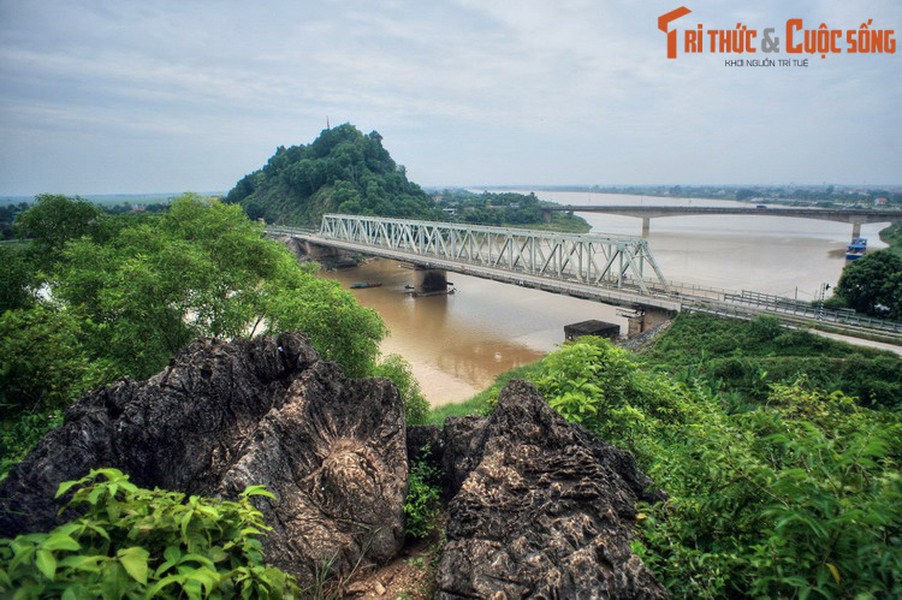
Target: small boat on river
{"type": "Point", "coordinates": [857, 248]}
{"type": "Point", "coordinates": [359, 285]}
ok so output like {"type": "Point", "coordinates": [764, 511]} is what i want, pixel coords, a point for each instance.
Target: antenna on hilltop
{"type": "Point", "coordinates": [327, 123]}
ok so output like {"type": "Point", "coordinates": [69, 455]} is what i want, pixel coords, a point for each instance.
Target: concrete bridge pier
{"type": "Point", "coordinates": [321, 253]}
{"type": "Point", "coordinates": [645, 318]}
{"type": "Point", "coordinates": [546, 215]}
{"type": "Point", "coordinates": [427, 281]}
{"type": "Point", "coordinates": [646, 222]}
{"type": "Point", "coordinates": [856, 230]}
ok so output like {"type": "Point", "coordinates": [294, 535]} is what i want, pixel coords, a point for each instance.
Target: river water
{"type": "Point", "coordinates": [458, 344]}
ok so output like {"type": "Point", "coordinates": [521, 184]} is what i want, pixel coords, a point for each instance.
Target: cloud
{"type": "Point", "coordinates": [462, 90]}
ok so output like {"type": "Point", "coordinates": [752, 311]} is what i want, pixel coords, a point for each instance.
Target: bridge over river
{"type": "Point", "coordinates": [855, 217]}
{"type": "Point", "coordinates": [615, 270]}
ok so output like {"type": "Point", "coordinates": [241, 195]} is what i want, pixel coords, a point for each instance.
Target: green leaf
{"type": "Point", "coordinates": [834, 571]}
{"type": "Point", "coordinates": [115, 582]}
{"type": "Point", "coordinates": [46, 563]}
{"type": "Point", "coordinates": [5, 582]}
{"type": "Point", "coordinates": [257, 490]}
{"type": "Point", "coordinates": [65, 487]}
{"type": "Point", "coordinates": [161, 584]}
{"type": "Point", "coordinates": [58, 541]}
{"type": "Point", "coordinates": [83, 563]}
{"type": "Point", "coordinates": [134, 561]}
{"type": "Point", "coordinates": [198, 558]}
{"type": "Point", "coordinates": [172, 553]}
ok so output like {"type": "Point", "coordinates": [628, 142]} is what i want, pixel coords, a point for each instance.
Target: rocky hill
{"type": "Point", "coordinates": [343, 171]}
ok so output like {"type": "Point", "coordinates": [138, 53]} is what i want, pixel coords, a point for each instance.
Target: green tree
{"type": "Point", "coordinates": [341, 330]}
{"type": "Point", "coordinates": [17, 275]}
{"type": "Point", "coordinates": [416, 407]}
{"type": "Point", "coordinates": [873, 284]}
{"type": "Point", "coordinates": [204, 269]}
{"type": "Point", "coordinates": [44, 363]}
{"type": "Point", "coordinates": [53, 220]}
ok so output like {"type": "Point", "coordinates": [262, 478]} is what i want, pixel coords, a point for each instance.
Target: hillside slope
{"type": "Point", "coordinates": [342, 170]}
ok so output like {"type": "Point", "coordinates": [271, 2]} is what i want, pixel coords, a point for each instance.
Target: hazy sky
{"type": "Point", "coordinates": [158, 96]}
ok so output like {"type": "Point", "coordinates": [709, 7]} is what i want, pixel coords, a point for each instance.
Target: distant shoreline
{"type": "Point", "coordinates": [136, 198]}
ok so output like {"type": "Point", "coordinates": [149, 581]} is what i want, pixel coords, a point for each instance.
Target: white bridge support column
{"type": "Point", "coordinates": [646, 222]}
{"type": "Point", "coordinates": [428, 281]}
{"type": "Point", "coordinates": [856, 230]}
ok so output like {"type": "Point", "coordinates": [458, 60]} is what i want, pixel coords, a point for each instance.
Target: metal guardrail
{"type": "Point", "coordinates": [779, 304]}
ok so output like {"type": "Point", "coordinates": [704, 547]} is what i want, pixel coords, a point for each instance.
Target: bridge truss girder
{"type": "Point", "coordinates": [583, 258]}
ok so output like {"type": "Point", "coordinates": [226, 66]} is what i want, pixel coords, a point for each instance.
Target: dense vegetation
{"type": "Point", "coordinates": [95, 297]}
{"type": "Point", "coordinates": [8, 215]}
{"type": "Point", "coordinates": [740, 360]}
{"type": "Point", "coordinates": [342, 171]}
{"type": "Point", "coordinates": [505, 209]}
{"type": "Point", "coordinates": [892, 235]}
{"type": "Point", "coordinates": [779, 483]}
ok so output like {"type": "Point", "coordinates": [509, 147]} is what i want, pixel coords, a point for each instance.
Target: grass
{"type": "Point", "coordinates": [892, 235]}
{"type": "Point", "coordinates": [482, 402]}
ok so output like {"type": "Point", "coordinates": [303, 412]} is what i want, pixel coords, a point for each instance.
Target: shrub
{"type": "Point", "coordinates": [152, 543]}
{"type": "Point", "coordinates": [422, 503]}
{"type": "Point", "coordinates": [795, 495]}
{"type": "Point", "coordinates": [416, 407]}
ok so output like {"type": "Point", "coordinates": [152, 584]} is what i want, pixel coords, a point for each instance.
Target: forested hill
{"type": "Point", "coordinates": [343, 171]}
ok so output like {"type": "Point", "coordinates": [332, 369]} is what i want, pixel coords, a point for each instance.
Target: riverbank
{"type": "Point", "coordinates": [892, 236]}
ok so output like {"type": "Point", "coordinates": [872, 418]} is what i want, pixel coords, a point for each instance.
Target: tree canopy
{"type": "Point", "coordinates": [342, 171]}
{"type": "Point", "coordinates": [124, 302]}
{"type": "Point", "coordinates": [872, 284]}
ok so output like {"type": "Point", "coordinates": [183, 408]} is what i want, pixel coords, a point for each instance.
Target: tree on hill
{"type": "Point", "coordinates": [342, 171]}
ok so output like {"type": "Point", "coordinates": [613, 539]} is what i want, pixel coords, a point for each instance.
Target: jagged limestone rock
{"type": "Point", "coordinates": [224, 416]}
{"type": "Point", "coordinates": [545, 512]}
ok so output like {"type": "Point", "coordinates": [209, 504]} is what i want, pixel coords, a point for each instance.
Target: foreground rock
{"type": "Point", "coordinates": [544, 509]}
{"type": "Point", "coordinates": [227, 415]}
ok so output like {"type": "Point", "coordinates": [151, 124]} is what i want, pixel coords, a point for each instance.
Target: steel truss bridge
{"type": "Point", "coordinates": [613, 270]}
{"type": "Point", "coordinates": [588, 259]}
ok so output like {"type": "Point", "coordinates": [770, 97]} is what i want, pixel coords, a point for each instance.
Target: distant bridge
{"type": "Point", "coordinates": [614, 270]}
{"type": "Point", "coordinates": [855, 217]}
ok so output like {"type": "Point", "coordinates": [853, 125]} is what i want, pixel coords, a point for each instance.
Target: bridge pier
{"type": "Point", "coordinates": [428, 281]}
{"type": "Point", "coordinates": [856, 230]}
{"type": "Point", "coordinates": [645, 318]}
{"type": "Point", "coordinates": [546, 216]}
{"type": "Point", "coordinates": [646, 222]}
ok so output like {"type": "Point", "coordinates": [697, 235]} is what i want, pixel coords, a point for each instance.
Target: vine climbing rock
{"type": "Point", "coordinates": [225, 415]}
{"type": "Point", "coordinates": [546, 510]}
